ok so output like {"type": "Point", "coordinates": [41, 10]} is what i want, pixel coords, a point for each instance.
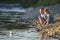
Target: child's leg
{"type": "Point", "coordinates": [44, 22]}
{"type": "Point", "coordinates": [40, 35]}
{"type": "Point", "coordinates": [45, 37]}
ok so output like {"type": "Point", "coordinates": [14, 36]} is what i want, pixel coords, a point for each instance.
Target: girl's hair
{"type": "Point", "coordinates": [42, 9]}
{"type": "Point", "coordinates": [47, 10]}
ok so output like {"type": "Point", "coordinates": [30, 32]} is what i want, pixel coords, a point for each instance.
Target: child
{"type": "Point", "coordinates": [48, 17]}
{"type": "Point", "coordinates": [42, 17]}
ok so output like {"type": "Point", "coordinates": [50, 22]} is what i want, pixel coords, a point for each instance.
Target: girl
{"type": "Point", "coordinates": [48, 17]}
{"type": "Point", "coordinates": [42, 17]}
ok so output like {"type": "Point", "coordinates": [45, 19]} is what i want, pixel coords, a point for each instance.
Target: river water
{"type": "Point", "coordinates": [26, 34]}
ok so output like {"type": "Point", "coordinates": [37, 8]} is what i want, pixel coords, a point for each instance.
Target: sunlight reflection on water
{"type": "Point", "coordinates": [19, 35]}
{"type": "Point", "coordinates": [30, 34]}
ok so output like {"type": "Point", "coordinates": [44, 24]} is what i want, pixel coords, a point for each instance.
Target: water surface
{"type": "Point", "coordinates": [28, 34]}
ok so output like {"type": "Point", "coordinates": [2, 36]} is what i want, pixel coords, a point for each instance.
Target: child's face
{"type": "Point", "coordinates": [41, 11]}
{"type": "Point", "coordinates": [45, 12]}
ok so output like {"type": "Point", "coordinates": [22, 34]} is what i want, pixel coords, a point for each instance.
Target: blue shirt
{"type": "Point", "coordinates": [51, 20]}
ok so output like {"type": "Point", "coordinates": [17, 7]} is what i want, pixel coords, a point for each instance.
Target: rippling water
{"type": "Point", "coordinates": [29, 34]}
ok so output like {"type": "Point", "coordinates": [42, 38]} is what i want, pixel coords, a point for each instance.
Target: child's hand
{"type": "Point", "coordinates": [46, 23]}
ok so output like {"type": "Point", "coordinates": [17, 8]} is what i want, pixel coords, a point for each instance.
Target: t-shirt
{"type": "Point", "coordinates": [42, 16]}
{"type": "Point", "coordinates": [45, 16]}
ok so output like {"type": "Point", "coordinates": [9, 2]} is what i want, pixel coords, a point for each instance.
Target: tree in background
{"type": "Point", "coordinates": [28, 3]}
{"type": "Point", "coordinates": [23, 3]}
{"type": "Point", "coordinates": [32, 3]}
{"type": "Point", "coordinates": [47, 2]}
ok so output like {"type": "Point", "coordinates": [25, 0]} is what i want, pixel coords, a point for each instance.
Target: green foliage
{"type": "Point", "coordinates": [23, 3]}
{"type": "Point", "coordinates": [47, 2]}
{"type": "Point", "coordinates": [28, 3]}
{"type": "Point", "coordinates": [10, 1]}
{"type": "Point", "coordinates": [32, 3]}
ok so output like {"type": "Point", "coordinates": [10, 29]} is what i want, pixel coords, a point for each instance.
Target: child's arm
{"type": "Point", "coordinates": [48, 19]}
{"type": "Point", "coordinates": [40, 20]}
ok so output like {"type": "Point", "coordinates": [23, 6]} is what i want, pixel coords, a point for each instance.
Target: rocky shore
{"type": "Point", "coordinates": [52, 30]}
